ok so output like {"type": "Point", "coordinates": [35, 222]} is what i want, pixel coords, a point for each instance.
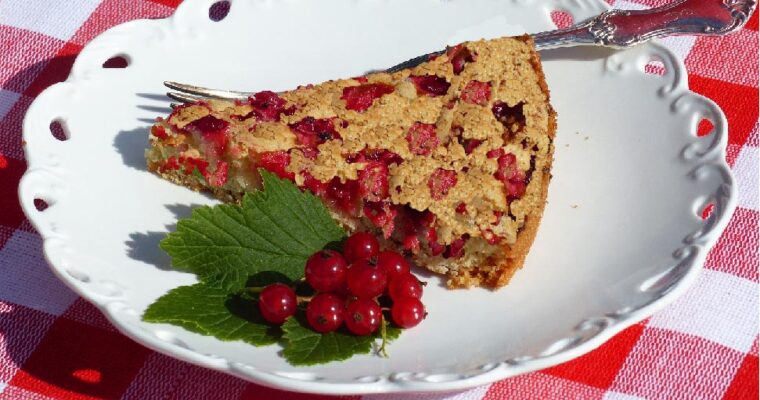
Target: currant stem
{"type": "Point", "coordinates": [252, 290]}
{"type": "Point", "coordinates": [384, 336]}
{"type": "Point", "coordinates": [258, 289]}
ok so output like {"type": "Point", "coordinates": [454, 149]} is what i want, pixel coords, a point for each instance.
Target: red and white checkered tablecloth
{"type": "Point", "coordinates": [54, 345]}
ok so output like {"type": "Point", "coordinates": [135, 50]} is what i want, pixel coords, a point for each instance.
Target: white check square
{"type": "Point", "coordinates": [7, 100]}
{"type": "Point", "coordinates": [747, 171]}
{"type": "Point", "coordinates": [59, 19]}
{"type": "Point", "coordinates": [27, 279]}
{"type": "Point", "coordinates": [720, 307]}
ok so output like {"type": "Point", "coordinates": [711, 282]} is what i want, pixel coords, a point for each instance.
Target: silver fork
{"type": "Point", "coordinates": [613, 28]}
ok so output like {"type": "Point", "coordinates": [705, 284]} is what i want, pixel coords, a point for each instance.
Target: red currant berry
{"type": "Point", "coordinates": [393, 263]}
{"type": "Point", "coordinates": [406, 285]}
{"type": "Point", "coordinates": [326, 271]}
{"type": "Point", "coordinates": [360, 245]}
{"type": "Point", "coordinates": [366, 279]}
{"type": "Point", "coordinates": [363, 316]}
{"type": "Point", "coordinates": [325, 312]}
{"type": "Point", "coordinates": [407, 312]}
{"type": "Point", "coordinates": [277, 302]}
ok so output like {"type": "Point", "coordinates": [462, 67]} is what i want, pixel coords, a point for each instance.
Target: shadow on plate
{"type": "Point", "coordinates": [144, 247]}
{"type": "Point", "coordinates": [132, 145]}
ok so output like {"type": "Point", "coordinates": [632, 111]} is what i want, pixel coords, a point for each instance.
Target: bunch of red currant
{"type": "Point", "coordinates": [348, 287]}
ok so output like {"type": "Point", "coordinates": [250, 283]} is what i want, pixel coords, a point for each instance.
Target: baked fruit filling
{"type": "Point", "coordinates": [448, 161]}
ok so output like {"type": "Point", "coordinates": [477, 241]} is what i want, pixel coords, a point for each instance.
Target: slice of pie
{"type": "Point", "coordinates": [449, 161]}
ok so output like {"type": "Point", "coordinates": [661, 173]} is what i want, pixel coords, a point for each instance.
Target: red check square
{"type": "Point", "coordinates": [599, 367]}
{"type": "Point", "coordinates": [168, 3]}
{"type": "Point", "coordinates": [733, 99]}
{"type": "Point", "coordinates": [78, 361]}
{"type": "Point", "coordinates": [745, 382]}
{"type": "Point", "coordinates": [10, 209]}
{"type": "Point", "coordinates": [83, 311]}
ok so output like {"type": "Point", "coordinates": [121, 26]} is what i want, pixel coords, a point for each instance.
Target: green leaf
{"type": "Point", "coordinates": [275, 229]}
{"type": "Point", "coordinates": [303, 346]}
{"type": "Point", "coordinates": [213, 311]}
{"type": "Point", "coordinates": [198, 175]}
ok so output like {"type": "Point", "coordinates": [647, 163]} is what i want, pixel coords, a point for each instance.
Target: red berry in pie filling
{"type": "Point", "coordinates": [407, 312]}
{"type": "Point", "coordinates": [436, 248]}
{"type": "Point", "coordinates": [383, 155]}
{"type": "Point", "coordinates": [498, 215]}
{"type": "Point", "coordinates": [267, 106]}
{"type": "Point", "coordinates": [311, 132]}
{"type": "Point", "coordinates": [191, 164]}
{"type": "Point", "coordinates": [422, 138]}
{"type": "Point", "coordinates": [208, 124]}
{"type": "Point", "coordinates": [476, 92]}
{"type": "Point", "coordinates": [373, 181]}
{"type": "Point", "coordinates": [495, 153]}
{"type": "Point", "coordinates": [430, 85]}
{"type": "Point", "coordinates": [470, 145]}
{"type": "Point", "coordinates": [510, 174]}
{"type": "Point", "coordinates": [277, 163]}
{"type": "Point", "coordinates": [310, 153]}
{"type": "Point", "coordinates": [490, 237]}
{"type": "Point", "coordinates": [363, 316]}
{"type": "Point", "coordinates": [171, 164]}
{"type": "Point", "coordinates": [359, 246]}
{"type": "Point", "coordinates": [461, 208]}
{"type": "Point", "coordinates": [159, 132]}
{"type": "Point", "coordinates": [440, 182]}
{"type": "Point", "coordinates": [411, 242]}
{"type": "Point", "coordinates": [366, 279]}
{"type": "Point", "coordinates": [345, 195]}
{"type": "Point", "coordinates": [507, 169]}
{"type": "Point", "coordinates": [325, 312]}
{"type": "Point", "coordinates": [382, 215]}
{"type": "Point", "coordinates": [219, 177]}
{"type": "Point", "coordinates": [456, 248]}
{"type": "Point", "coordinates": [459, 56]}
{"type": "Point", "coordinates": [213, 134]}
{"type": "Point", "coordinates": [277, 302]}
{"type": "Point", "coordinates": [515, 189]}
{"type": "Point", "coordinates": [326, 271]}
{"type": "Point", "coordinates": [393, 263]}
{"type": "Point", "coordinates": [314, 185]}
{"type": "Point", "coordinates": [508, 115]}
{"type": "Point", "coordinates": [360, 98]}
{"type": "Point", "coordinates": [405, 285]}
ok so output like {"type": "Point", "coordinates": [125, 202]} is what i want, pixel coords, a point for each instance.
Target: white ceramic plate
{"type": "Point", "coordinates": [621, 236]}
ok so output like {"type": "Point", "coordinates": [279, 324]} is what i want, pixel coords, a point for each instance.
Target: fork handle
{"type": "Point", "coordinates": [625, 28]}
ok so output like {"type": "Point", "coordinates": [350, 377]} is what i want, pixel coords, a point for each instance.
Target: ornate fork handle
{"type": "Point", "coordinates": [624, 28]}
